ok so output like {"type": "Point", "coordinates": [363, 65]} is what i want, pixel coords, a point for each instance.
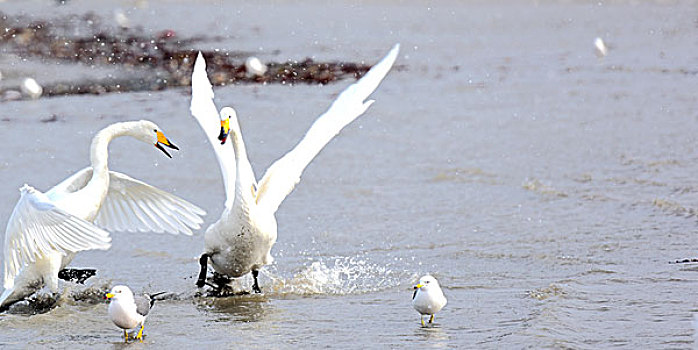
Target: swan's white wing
{"type": "Point", "coordinates": [205, 112]}
{"type": "Point", "coordinates": [133, 205]}
{"type": "Point", "coordinates": [282, 176]}
{"type": "Point", "coordinates": [37, 227]}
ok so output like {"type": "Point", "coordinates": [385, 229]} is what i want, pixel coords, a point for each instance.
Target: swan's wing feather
{"type": "Point", "coordinates": [37, 227]}
{"type": "Point", "coordinates": [206, 113]}
{"type": "Point", "coordinates": [132, 205]}
{"type": "Point", "coordinates": [283, 175]}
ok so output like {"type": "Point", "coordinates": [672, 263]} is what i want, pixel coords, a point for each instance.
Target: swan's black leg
{"type": "Point", "coordinates": [255, 286]}
{"type": "Point", "coordinates": [202, 274]}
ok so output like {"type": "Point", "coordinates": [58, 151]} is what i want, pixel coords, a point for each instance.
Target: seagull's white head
{"type": "Point", "coordinates": [120, 293]}
{"type": "Point", "coordinates": [226, 114]}
{"type": "Point", "coordinates": [427, 282]}
{"type": "Point", "coordinates": [149, 132]}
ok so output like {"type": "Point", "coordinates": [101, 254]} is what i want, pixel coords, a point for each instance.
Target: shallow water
{"type": "Point", "coordinates": [547, 189]}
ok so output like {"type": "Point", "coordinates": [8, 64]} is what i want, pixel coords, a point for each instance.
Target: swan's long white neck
{"type": "Point", "coordinates": [99, 156]}
{"type": "Point", "coordinates": [245, 182]}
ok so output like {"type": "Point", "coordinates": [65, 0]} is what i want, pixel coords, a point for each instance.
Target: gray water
{"type": "Point", "coordinates": [547, 189]}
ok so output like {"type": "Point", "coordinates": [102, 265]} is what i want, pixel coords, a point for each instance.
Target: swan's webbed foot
{"type": "Point", "coordinates": [203, 261]}
{"type": "Point", "coordinates": [220, 280]}
{"type": "Point", "coordinates": [76, 275]}
{"type": "Point", "coordinates": [220, 285]}
{"type": "Point", "coordinates": [255, 286]}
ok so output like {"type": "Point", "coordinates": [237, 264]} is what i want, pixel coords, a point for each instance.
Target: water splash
{"type": "Point", "coordinates": [337, 276]}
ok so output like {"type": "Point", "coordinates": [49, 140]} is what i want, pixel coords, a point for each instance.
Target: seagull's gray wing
{"type": "Point", "coordinates": [143, 304]}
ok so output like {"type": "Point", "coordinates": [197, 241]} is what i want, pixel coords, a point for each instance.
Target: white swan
{"type": "Point", "coordinates": [241, 240]}
{"type": "Point", "coordinates": [47, 229]}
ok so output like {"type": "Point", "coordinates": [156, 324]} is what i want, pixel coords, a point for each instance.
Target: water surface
{"type": "Point", "coordinates": [546, 188]}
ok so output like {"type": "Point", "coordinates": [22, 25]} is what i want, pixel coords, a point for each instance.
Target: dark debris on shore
{"type": "Point", "coordinates": [167, 59]}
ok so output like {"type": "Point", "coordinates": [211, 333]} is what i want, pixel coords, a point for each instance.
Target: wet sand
{"type": "Point", "coordinates": [140, 61]}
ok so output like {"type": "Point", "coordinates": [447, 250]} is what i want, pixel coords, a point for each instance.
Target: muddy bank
{"type": "Point", "coordinates": [162, 60]}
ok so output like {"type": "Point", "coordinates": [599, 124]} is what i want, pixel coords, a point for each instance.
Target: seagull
{"type": "Point", "coordinates": [240, 241]}
{"type": "Point", "coordinates": [127, 311]}
{"type": "Point", "coordinates": [31, 88]}
{"type": "Point", "coordinates": [255, 67]}
{"type": "Point", "coordinates": [46, 230]}
{"type": "Point", "coordinates": [428, 298]}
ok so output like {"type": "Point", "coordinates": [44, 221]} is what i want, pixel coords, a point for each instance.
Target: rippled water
{"type": "Point", "coordinates": [547, 189]}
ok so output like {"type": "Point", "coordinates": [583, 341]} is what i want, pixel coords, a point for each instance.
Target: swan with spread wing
{"type": "Point", "coordinates": [240, 241]}
{"type": "Point", "coordinates": [46, 230]}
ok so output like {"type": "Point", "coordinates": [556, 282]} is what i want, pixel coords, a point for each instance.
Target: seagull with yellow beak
{"type": "Point", "coordinates": [428, 299]}
{"type": "Point", "coordinates": [128, 311]}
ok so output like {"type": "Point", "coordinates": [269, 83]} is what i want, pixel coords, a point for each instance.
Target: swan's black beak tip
{"type": "Point", "coordinates": [162, 140]}
{"type": "Point", "coordinates": [223, 135]}
{"type": "Point", "coordinates": [159, 146]}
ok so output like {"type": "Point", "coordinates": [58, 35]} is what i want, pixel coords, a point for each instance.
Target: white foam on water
{"type": "Point", "coordinates": [335, 276]}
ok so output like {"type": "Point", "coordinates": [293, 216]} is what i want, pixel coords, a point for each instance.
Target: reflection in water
{"type": "Point", "coordinates": [37, 304]}
{"type": "Point", "coordinates": [242, 308]}
{"type": "Point", "coordinates": [72, 294]}
{"type": "Point", "coordinates": [434, 335]}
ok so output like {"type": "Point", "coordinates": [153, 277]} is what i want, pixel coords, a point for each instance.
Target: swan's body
{"type": "Point", "coordinates": [46, 230]}
{"type": "Point", "coordinates": [240, 241]}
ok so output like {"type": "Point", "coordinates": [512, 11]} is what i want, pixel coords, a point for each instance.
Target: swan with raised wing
{"type": "Point", "coordinates": [46, 230]}
{"type": "Point", "coordinates": [240, 241]}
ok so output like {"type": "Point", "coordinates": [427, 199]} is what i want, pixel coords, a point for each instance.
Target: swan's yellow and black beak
{"type": "Point", "coordinates": [162, 140]}
{"type": "Point", "coordinates": [225, 129]}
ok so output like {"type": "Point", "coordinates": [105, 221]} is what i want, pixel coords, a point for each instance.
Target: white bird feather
{"type": "Point", "coordinates": [45, 231]}
{"type": "Point", "coordinates": [241, 240]}
{"type": "Point", "coordinates": [428, 298]}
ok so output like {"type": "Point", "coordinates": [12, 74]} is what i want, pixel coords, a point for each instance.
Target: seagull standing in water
{"type": "Point", "coordinates": [240, 241]}
{"type": "Point", "coordinates": [128, 311]}
{"type": "Point", "coordinates": [428, 299]}
{"type": "Point", "coordinates": [46, 230]}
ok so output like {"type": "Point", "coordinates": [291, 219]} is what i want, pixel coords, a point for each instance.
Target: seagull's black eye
{"type": "Point", "coordinates": [156, 130]}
